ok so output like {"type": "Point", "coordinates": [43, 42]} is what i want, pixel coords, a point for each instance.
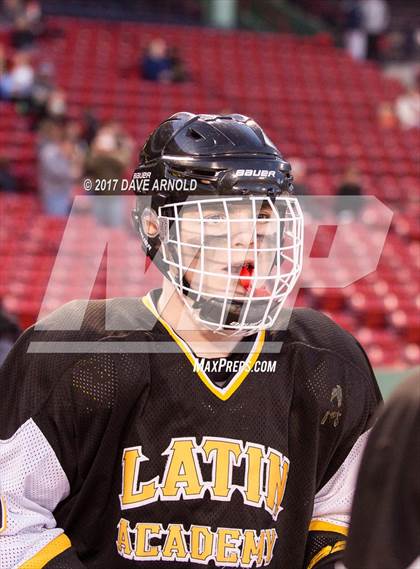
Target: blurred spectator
{"type": "Point", "coordinates": [109, 157]}
{"type": "Point", "coordinates": [299, 170]}
{"type": "Point", "coordinates": [41, 91]}
{"type": "Point", "coordinates": [47, 101]}
{"type": "Point", "coordinates": [350, 185]}
{"type": "Point", "coordinates": [57, 105]}
{"type": "Point", "coordinates": [354, 35]}
{"type": "Point", "coordinates": [22, 36]}
{"type": "Point", "coordinates": [90, 126]}
{"type": "Point", "coordinates": [156, 64]}
{"type": "Point", "coordinates": [74, 133]}
{"type": "Point", "coordinates": [179, 73]}
{"type": "Point", "coordinates": [112, 140]}
{"type": "Point", "coordinates": [301, 187]}
{"type": "Point", "coordinates": [162, 64]}
{"type": "Point", "coordinates": [33, 16]}
{"type": "Point", "coordinates": [375, 21]}
{"type": "Point", "coordinates": [8, 182]}
{"type": "Point", "coordinates": [59, 168]}
{"type": "Point", "coordinates": [10, 11]}
{"type": "Point", "coordinates": [3, 61]}
{"type": "Point", "coordinates": [24, 18]}
{"type": "Point", "coordinates": [9, 333]}
{"type": "Point", "coordinates": [48, 130]}
{"type": "Point", "coordinates": [386, 116]}
{"type": "Point", "coordinates": [409, 41]}
{"type": "Point", "coordinates": [17, 84]}
{"type": "Point", "coordinates": [407, 108]}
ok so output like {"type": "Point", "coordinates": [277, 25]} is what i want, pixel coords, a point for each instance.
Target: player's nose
{"type": "Point", "coordinates": [243, 234]}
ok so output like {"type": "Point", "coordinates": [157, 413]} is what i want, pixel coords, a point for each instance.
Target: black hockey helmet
{"type": "Point", "coordinates": [225, 156]}
{"type": "Point", "coordinates": [207, 157]}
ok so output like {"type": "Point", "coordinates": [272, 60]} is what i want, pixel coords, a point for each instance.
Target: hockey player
{"type": "Point", "coordinates": [201, 425]}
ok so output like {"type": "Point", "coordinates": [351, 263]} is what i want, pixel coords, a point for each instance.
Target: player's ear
{"type": "Point", "coordinates": [149, 222]}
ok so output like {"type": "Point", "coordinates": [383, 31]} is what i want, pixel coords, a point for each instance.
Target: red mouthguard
{"type": "Point", "coordinates": [245, 275]}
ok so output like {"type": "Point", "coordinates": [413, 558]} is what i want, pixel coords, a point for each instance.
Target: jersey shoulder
{"type": "Point", "coordinates": [65, 357]}
{"type": "Point", "coordinates": [318, 333]}
{"type": "Point", "coordinates": [96, 319]}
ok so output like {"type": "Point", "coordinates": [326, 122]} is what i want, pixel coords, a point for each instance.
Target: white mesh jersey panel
{"type": "Point", "coordinates": [32, 483]}
{"type": "Point", "coordinates": [333, 502]}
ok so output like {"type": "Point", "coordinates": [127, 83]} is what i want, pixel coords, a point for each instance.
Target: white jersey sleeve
{"type": "Point", "coordinates": [334, 500]}
{"type": "Point", "coordinates": [32, 483]}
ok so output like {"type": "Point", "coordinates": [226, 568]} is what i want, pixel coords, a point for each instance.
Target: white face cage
{"type": "Point", "coordinates": [240, 255]}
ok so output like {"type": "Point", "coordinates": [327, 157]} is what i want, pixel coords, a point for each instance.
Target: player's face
{"type": "Point", "coordinates": [229, 246]}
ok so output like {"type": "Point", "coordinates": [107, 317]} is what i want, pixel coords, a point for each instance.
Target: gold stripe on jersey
{"type": "Point", "coordinates": [51, 550]}
{"type": "Point", "coordinates": [238, 378]}
{"type": "Point", "coordinates": [325, 551]}
{"type": "Point", "coordinates": [3, 514]}
{"type": "Point", "coordinates": [320, 525]}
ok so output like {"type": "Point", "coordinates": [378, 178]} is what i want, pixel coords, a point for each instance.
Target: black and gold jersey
{"type": "Point", "coordinates": [118, 450]}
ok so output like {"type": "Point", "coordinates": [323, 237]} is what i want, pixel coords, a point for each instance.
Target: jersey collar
{"type": "Point", "coordinates": [223, 393]}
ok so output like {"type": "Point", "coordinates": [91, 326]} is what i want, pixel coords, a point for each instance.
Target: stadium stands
{"type": "Point", "coordinates": [314, 101]}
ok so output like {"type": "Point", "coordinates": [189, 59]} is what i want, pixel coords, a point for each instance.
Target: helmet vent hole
{"type": "Point", "coordinates": [195, 135]}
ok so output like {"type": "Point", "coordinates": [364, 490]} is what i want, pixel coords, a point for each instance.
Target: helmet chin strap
{"type": "Point", "coordinates": [210, 310]}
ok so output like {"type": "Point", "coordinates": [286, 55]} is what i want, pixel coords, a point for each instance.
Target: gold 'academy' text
{"type": "Point", "coordinates": [225, 547]}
